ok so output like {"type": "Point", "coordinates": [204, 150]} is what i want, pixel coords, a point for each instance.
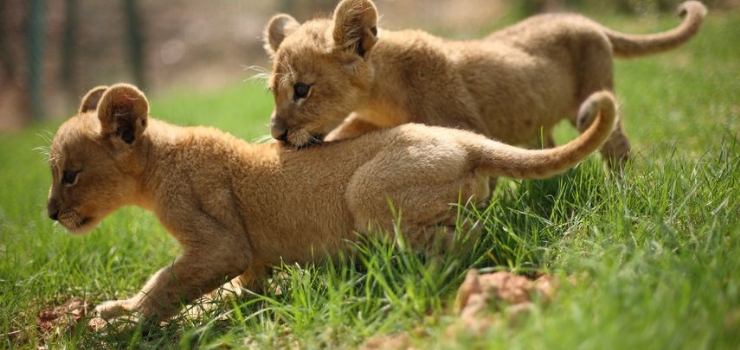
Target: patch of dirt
{"type": "Point", "coordinates": [57, 318]}
{"type": "Point", "coordinates": [60, 320]}
{"type": "Point", "coordinates": [486, 300]}
{"type": "Point", "coordinates": [390, 342]}
{"type": "Point", "coordinates": [483, 301]}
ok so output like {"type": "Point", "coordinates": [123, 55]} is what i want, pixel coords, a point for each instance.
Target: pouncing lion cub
{"type": "Point", "coordinates": [513, 86]}
{"type": "Point", "coordinates": [238, 208]}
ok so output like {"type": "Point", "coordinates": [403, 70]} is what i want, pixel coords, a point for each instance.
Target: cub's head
{"type": "Point", "coordinates": [321, 70]}
{"type": "Point", "coordinates": [92, 157]}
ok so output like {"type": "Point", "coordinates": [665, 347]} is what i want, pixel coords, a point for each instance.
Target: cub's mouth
{"type": "Point", "coordinates": [303, 139]}
{"type": "Point", "coordinates": [75, 224]}
{"type": "Point", "coordinates": [313, 140]}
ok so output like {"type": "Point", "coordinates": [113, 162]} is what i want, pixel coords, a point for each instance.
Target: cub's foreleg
{"type": "Point", "coordinates": [352, 127]}
{"type": "Point", "coordinates": [211, 255]}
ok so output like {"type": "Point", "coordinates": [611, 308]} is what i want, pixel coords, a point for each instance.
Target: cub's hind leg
{"type": "Point", "coordinates": [616, 150]}
{"type": "Point", "coordinates": [252, 280]}
{"type": "Point", "coordinates": [595, 72]}
{"type": "Point", "coordinates": [422, 192]}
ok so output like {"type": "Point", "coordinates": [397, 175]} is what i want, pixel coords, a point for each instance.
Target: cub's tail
{"type": "Point", "coordinates": [629, 45]}
{"type": "Point", "coordinates": [498, 159]}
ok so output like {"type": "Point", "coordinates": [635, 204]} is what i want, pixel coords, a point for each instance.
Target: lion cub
{"type": "Point", "coordinates": [238, 208]}
{"type": "Point", "coordinates": [514, 85]}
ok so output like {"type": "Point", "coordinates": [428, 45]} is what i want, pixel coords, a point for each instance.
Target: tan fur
{"type": "Point", "coordinates": [512, 86]}
{"type": "Point", "coordinates": [237, 208]}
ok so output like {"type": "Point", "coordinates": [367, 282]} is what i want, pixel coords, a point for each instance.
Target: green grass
{"type": "Point", "coordinates": [656, 254]}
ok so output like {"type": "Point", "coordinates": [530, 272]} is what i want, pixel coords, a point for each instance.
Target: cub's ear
{"type": "Point", "coordinates": [123, 113]}
{"type": "Point", "coordinates": [355, 26]}
{"type": "Point", "coordinates": [279, 27]}
{"type": "Point", "coordinates": [91, 99]}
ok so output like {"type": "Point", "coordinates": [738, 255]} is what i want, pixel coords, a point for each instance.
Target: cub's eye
{"type": "Point", "coordinates": [69, 177]}
{"type": "Point", "coordinates": [300, 90]}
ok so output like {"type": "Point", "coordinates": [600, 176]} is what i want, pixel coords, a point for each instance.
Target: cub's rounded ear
{"type": "Point", "coordinates": [279, 27]}
{"type": "Point", "coordinates": [123, 113]}
{"type": "Point", "coordinates": [91, 99]}
{"type": "Point", "coordinates": [355, 26]}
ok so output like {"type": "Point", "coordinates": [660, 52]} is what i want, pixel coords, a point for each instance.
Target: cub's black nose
{"type": "Point", "coordinates": [52, 211]}
{"type": "Point", "coordinates": [283, 137]}
{"type": "Point", "coordinates": [278, 131]}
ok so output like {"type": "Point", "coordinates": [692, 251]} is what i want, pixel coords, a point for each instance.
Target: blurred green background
{"type": "Point", "coordinates": [51, 52]}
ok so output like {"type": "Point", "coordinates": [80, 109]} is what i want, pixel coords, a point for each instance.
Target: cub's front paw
{"type": "Point", "coordinates": [113, 308]}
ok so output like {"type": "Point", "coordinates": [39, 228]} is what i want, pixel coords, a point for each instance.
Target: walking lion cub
{"type": "Point", "coordinates": [513, 86]}
{"type": "Point", "coordinates": [238, 208]}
